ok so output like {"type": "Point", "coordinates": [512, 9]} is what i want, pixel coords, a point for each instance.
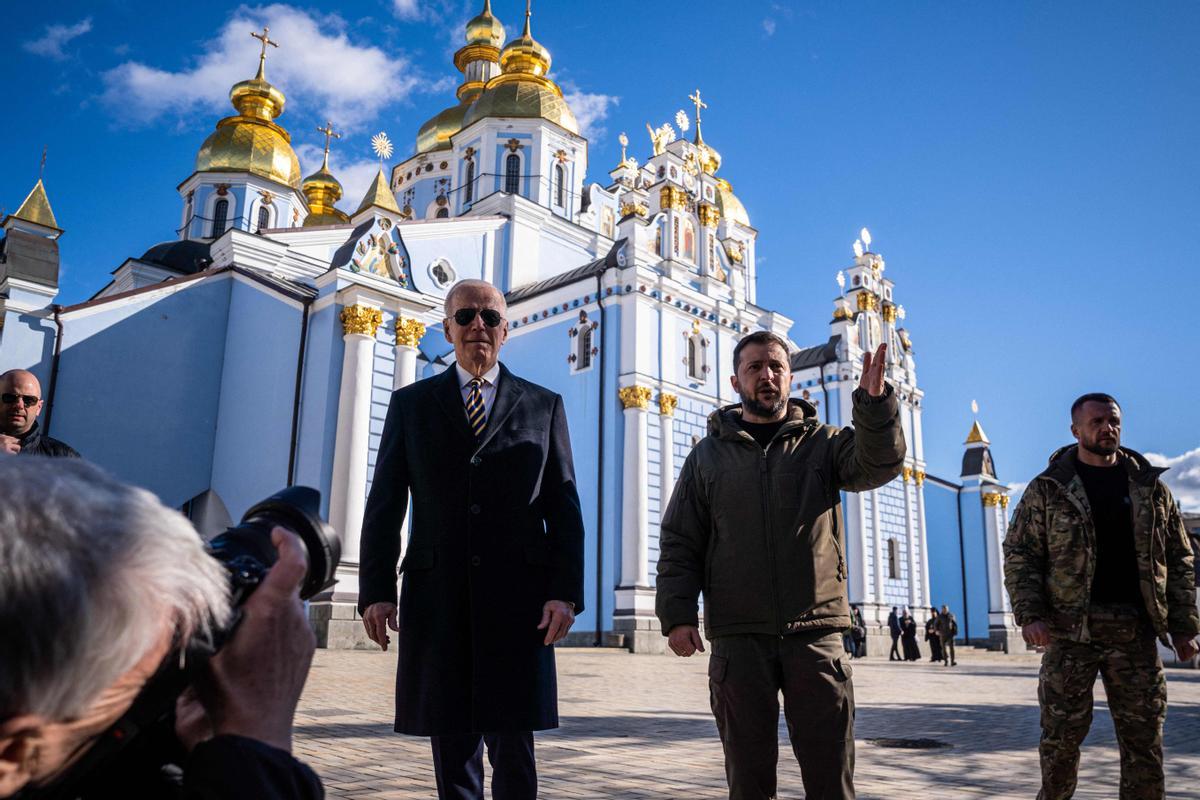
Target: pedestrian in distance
{"type": "Point", "coordinates": [932, 636]}
{"type": "Point", "coordinates": [493, 574]}
{"type": "Point", "coordinates": [895, 630]}
{"type": "Point", "coordinates": [908, 637]}
{"type": "Point", "coordinates": [947, 627]}
{"type": "Point", "coordinates": [1098, 564]}
{"type": "Point", "coordinates": [754, 523]}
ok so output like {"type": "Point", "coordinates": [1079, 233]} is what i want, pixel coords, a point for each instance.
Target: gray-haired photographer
{"type": "Point", "coordinates": [138, 663]}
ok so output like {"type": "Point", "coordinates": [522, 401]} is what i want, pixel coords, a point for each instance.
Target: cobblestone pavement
{"type": "Point", "coordinates": [638, 726]}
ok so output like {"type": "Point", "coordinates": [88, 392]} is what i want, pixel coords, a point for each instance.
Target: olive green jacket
{"type": "Point", "coordinates": [1049, 551]}
{"type": "Point", "coordinates": [759, 531]}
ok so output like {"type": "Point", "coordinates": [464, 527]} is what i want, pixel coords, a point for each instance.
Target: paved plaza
{"type": "Point", "coordinates": [638, 726]}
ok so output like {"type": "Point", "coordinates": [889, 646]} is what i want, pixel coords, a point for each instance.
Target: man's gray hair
{"type": "Point", "coordinates": [471, 283]}
{"type": "Point", "coordinates": [90, 570]}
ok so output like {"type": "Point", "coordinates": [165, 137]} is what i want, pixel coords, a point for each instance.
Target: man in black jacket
{"type": "Point", "coordinates": [755, 524]}
{"type": "Point", "coordinates": [20, 404]}
{"type": "Point", "coordinates": [493, 575]}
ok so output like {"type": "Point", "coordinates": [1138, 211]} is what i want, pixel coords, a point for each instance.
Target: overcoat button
{"type": "Point", "coordinates": [476, 461]}
{"type": "Point", "coordinates": [474, 561]}
{"type": "Point", "coordinates": [475, 508]}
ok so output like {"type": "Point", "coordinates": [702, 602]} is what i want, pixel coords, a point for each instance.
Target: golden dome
{"type": "Point", "coordinates": [251, 141]}
{"type": "Point", "coordinates": [522, 99]}
{"type": "Point", "coordinates": [323, 190]}
{"type": "Point", "coordinates": [485, 29]}
{"type": "Point", "coordinates": [522, 88]}
{"type": "Point", "coordinates": [436, 132]}
{"type": "Point", "coordinates": [731, 208]}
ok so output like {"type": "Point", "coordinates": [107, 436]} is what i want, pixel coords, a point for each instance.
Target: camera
{"type": "Point", "coordinates": [145, 735]}
{"type": "Point", "coordinates": [247, 553]}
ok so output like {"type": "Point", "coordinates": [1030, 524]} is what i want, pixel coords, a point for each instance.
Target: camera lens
{"type": "Point", "coordinates": [247, 547]}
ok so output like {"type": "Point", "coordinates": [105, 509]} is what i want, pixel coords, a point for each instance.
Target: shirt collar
{"type": "Point", "coordinates": [489, 377]}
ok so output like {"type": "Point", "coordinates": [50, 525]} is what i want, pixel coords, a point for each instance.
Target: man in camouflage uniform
{"type": "Point", "coordinates": [1097, 563]}
{"type": "Point", "coordinates": [947, 629]}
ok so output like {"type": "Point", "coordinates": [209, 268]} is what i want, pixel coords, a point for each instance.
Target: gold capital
{"type": "Point", "coordinates": [667, 404]}
{"type": "Point", "coordinates": [991, 499]}
{"type": "Point", "coordinates": [919, 476]}
{"type": "Point", "coordinates": [709, 215]}
{"type": "Point", "coordinates": [889, 312]}
{"type": "Point", "coordinates": [409, 331]}
{"type": "Point", "coordinates": [361, 319]}
{"type": "Point", "coordinates": [1004, 500]}
{"type": "Point", "coordinates": [634, 396]}
{"type": "Point", "coordinates": [907, 474]}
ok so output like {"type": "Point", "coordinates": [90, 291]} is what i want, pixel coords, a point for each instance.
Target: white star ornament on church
{"type": "Point", "coordinates": [381, 145]}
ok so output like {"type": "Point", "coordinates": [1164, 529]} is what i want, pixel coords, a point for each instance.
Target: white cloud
{"type": "Point", "coordinates": [590, 109]}
{"type": "Point", "coordinates": [769, 26]}
{"type": "Point", "coordinates": [1183, 477]}
{"type": "Point", "coordinates": [406, 9]}
{"type": "Point", "coordinates": [56, 37]}
{"type": "Point", "coordinates": [316, 66]}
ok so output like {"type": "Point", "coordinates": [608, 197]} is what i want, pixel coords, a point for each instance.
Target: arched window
{"type": "Point", "coordinates": [442, 213]}
{"type": "Point", "coordinates": [689, 241]}
{"type": "Point", "coordinates": [512, 174]}
{"type": "Point", "coordinates": [893, 558]}
{"type": "Point", "coordinates": [559, 188]}
{"type": "Point", "coordinates": [658, 247]}
{"type": "Point", "coordinates": [583, 353]}
{"type": "Point", "coordinates": [694, 367]}
{"type": "Point", "coordinates": [469, 189]}
{"type": "Point", "coordinates": [220, 214]}
{"type": "Point", "coordinates": [607, 222]}
{"type": "Point", "coordinates": [264, 217]}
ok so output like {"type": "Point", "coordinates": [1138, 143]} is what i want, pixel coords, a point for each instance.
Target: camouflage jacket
{"type": "Point", "coordinates": [1049, 552]}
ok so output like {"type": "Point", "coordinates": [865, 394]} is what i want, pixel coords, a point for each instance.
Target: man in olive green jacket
{"type": "Point", "coordinates": [755, 524]}
{"type": "Point", "coordinates": [1097, 563]}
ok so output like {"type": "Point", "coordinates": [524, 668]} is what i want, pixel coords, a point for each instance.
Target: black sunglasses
{"type": "Point", "coordinates": [491, 317]}
{"type": "Point", "coordinates": [30, 400]}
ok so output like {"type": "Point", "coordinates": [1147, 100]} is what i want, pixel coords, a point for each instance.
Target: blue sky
{"type": "Point", "coordinates": [1028, 170]}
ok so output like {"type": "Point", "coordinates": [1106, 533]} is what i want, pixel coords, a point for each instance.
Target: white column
{"type": "Point", "coordinates": [877, 536]}
{"type": "Point", "coordinates": [666, 455]}
{"type": "Point", "coordinates": [915, 595]}
{"type": "Point", "coordinates": [634, 533]}
{"type": "Point", "coordinates": [926, 585]}
{"type": "Point", "coordinates": [347, 494]}
{"type": "Point", "coordinates": [995, 559]}
{"type": "Point", "coordinates": [857, 523]}
{"type": "Point", "coordinates": [408, 335]}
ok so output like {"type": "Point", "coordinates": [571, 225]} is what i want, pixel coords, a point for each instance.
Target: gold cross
{"type": "Point", "coordinates": [328, 131]}
{"type": "Point", "coordinates": [262, 57]}
{"type": "Point", "coordinates": [698, 103]}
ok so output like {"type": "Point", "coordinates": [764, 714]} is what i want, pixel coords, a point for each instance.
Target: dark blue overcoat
{"type": "Point", "coordinates": [496, 532]}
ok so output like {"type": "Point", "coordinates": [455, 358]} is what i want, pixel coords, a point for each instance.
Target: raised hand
{"type": "Point", "coordinates": [872, 371]}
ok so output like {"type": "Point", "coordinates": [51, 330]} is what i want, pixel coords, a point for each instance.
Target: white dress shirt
{"type": "Point", "coordinates": [488, 389]}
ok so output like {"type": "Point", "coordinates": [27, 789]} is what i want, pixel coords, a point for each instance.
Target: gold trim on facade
{"type": "Point", "coordinates": [475, 52]}
{"type": "Point", "coordinates": [991, 499]}
{"type": "Point", "coordinates": [889, 312]}
{"type": "Point", "coordinates": [919, 476]}
{"type": "Point", "coordinates": [361, 319]}
{"type": "Point", "coordinates": [710, 217]}
{"type": "Point", "coordinates": [640, 209]}
{"type": "Point", "coordinates": [907, 474]}
{"type": "Point", "coordinates": [634, 396]}
{"type": "Point", "coordinates": [1004, 501]}
{"type": "Point", "coordinates": [409, 332]}
{"type": "Point", "coordinates": [667, 404]}
{"type": "Point", "coordinates": [672, 198]}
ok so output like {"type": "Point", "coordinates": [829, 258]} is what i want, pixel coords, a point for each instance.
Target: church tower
{"type": "Point", "coordinates": [322, 190]}
{"type": "Point", "coordinates": [247, 176]}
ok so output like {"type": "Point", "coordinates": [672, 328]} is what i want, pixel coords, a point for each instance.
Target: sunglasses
{"type": "Point", "coordinates": [29, 400]}
{"type": "Point", "coordinates": [491, 317]}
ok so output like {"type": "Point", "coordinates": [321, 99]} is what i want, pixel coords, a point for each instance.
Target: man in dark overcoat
{"type": "Point", "coordinates": [493, 573]}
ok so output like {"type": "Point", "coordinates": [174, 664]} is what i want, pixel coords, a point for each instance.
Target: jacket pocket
{"type": "Point", "coordinates": [417, 559]}
{"type": "Point", "coordinates": [717, 667]}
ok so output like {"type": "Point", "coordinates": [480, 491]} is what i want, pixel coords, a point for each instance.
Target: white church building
{"type": "Point", "coordinates": [263, 338]}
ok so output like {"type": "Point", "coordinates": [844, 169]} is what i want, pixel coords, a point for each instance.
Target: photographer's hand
{"type": "Point", "coordinates": [255, 681]}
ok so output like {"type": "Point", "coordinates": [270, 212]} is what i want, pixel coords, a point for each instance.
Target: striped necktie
{"type": "Point", "coordinates": [476, 416]}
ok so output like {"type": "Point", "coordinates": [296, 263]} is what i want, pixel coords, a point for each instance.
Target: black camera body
{"type": "Point", "coordinates": [140, 754]}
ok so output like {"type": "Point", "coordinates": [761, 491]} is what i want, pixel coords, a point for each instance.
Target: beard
{"type": "Point", "coordinates": [1099, 447]}
{"type": "Point", "coordinates": [751, 403]}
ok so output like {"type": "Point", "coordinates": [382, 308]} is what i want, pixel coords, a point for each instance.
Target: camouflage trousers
{"type": "Point", "coordinates": [1124, 653]}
